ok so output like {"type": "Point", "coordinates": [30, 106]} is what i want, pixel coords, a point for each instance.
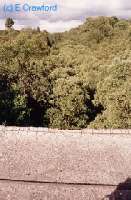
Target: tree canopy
{"type": "Point", "coordinates": [71, 80]}
{"type": "Point", "coordinates": [9, 23]}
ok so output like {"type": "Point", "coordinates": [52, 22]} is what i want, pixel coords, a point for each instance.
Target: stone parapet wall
{"type": "Point", "coordinates": [52, 164]}
{"type": "Point", "coordinates": [49, 130]}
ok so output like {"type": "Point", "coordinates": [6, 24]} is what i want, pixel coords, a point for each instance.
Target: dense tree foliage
{"type": "Point", "coordinates": [70, 80]}
{"type": "Point", "coordinates": [9, 23]}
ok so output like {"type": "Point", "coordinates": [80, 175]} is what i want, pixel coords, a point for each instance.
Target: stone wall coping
{"type": "Point", "coordinates": [50, 130]}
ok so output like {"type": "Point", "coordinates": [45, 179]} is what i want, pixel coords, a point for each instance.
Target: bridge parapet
{"type": "Point", "coordinates": [52, 164]}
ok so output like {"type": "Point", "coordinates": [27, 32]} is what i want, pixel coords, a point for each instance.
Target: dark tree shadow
{"type": "Point", "coordinates": [122, 192]}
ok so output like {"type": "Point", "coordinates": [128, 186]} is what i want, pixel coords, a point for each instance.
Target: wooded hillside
{"type": "Point", "coordinates": [70, 80]}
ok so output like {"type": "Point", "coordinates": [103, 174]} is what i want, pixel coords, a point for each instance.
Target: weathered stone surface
{"type": "Point", "coordinates": [69, 164]}
{"type": "Point", "coordinates": [65, 157]}
{"type": "Point", "coordinates": [26, 191]}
